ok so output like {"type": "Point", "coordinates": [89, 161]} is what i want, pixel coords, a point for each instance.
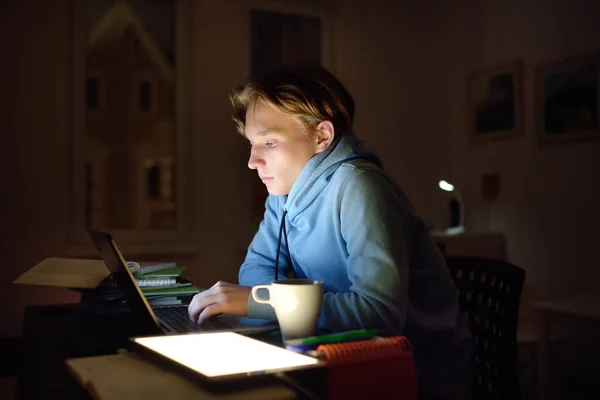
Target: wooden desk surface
{"type": "Point", "coordinates": [490, 245]}
{"type": "Point", "coordinates": [126, 376]}
{"type": "Point", "coordinates": [584, 306]}
{"type": "Point", "coordinates": [582, 310]}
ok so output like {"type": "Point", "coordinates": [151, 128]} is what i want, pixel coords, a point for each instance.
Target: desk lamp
{"type": "Point", "coordinates": [457, 214]}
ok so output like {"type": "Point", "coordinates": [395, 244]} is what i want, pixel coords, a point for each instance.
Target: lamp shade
{"type": "Point", "coordinates": [457, 216]}
{"type": "Point", "coordinates": [445, 185]}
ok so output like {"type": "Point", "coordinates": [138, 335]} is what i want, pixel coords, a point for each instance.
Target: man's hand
{"type": "Point", "coordinates": [222, 298]}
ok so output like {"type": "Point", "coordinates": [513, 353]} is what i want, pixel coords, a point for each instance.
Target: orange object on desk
{"type": "Point", "coordinates": [376, 368]}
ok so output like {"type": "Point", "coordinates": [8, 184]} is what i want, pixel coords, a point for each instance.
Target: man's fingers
{"type": "Point", "coordinates": [192, 306]}
{"type": "Point", "coordinates": [221, 298]}
{"type": "Point", "coordinates": [198, 303]}
{"type": "Point", "coordinates": [209, 311]}
{"type": "Point", "coordinates": [212, 295]}
{"type": "Point", "coordinates": [202, 302]}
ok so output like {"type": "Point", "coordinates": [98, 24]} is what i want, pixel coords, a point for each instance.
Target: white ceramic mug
{"type": "Point", "coordinates": [297, 304]}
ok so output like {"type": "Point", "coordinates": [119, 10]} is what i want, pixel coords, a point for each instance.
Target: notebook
{"type": "Point", "coordinates": [164, 319]}
{"type": "Point", "coordinates": [140, 270]}
{"type": "Point", "coordinates": [159, 282]}
{"type": "Point", "coordinates": [375, 368]}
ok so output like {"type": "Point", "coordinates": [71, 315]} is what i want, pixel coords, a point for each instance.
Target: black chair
{"type": "Point", "coordinates": [489, 296]}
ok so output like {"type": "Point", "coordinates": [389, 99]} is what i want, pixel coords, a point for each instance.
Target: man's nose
{"type": "Point", "coordinates": [255, 159]}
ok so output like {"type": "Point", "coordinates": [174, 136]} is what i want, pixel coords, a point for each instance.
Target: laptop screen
{"type": "Point", "coordinates": [112, 257]}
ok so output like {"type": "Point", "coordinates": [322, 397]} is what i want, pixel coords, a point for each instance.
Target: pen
{"type": "Point", "coordinates": [341, 337]}
{"type": "Point", "coordinates": [311, 343]}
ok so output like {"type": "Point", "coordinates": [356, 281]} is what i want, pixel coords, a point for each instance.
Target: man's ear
{"type": "Point", "coordinates": [325, 135]}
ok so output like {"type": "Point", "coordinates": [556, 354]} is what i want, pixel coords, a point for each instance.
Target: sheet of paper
{"type": "Point", "coordinates": [65, 272]}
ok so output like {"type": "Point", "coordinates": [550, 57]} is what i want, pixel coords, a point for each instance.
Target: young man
{"type": "Point", "coordinates": [332, 214]}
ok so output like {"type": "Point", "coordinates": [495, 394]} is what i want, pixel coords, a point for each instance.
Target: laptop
{"type": "Point", "coordinates": [171, 319]}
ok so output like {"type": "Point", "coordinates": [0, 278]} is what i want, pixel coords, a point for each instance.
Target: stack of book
{"type": "Point", "coordinates": [162, 284]}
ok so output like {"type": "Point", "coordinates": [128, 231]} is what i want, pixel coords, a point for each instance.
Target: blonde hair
{"type": "Point", "coordinates": [310, 95]}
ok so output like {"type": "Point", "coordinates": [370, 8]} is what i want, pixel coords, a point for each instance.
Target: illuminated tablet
{"type": "Point", "coordinates": [225, 354]}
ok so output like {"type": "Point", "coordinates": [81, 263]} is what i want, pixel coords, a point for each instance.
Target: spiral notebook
{"type": "Point", "coordinates": [375, 368]}
{"type": "Point", "coordinates": [154, 282]}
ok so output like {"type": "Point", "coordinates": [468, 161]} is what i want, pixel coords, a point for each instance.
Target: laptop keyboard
{"type": "Point", "coordinates": [178, 319]}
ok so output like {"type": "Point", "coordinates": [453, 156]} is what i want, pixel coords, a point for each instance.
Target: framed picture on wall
{"type": "Point", "coordinates": [494, 102]}
{"type": "Point", "coordinates": [568, 100]}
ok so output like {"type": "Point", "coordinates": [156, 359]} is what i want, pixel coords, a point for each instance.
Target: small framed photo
{"type": "Point", "coordinates": [568, 100]}
{"type": "Point", "coordinates": [494, 102]}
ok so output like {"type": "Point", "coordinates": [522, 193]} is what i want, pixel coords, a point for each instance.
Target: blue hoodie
{"type": "Point", "coordinates": [349, 225]}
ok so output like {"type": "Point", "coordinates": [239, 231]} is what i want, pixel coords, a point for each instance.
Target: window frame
{"type": "Point", "coordinates": [178, 241]}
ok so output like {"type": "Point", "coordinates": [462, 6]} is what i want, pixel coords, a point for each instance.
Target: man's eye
{"type": "Point", "coordinates": [269, 144]}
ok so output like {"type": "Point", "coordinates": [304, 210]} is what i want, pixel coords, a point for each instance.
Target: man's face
{"type": "Point", "coordinates": [279, 147]}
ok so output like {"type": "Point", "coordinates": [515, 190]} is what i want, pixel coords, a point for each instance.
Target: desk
{"type": "Point", "coordinates": [53, 334]}
{"type": "Point", "coordinates": [126, 376]}
{"type": "Point", "coordinates": [489, 245]}
{"type": "Point", "coordinates": [581, 310]}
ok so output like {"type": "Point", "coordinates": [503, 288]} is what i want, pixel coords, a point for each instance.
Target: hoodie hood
{"type": "Point", "coordinates": [318, 170]}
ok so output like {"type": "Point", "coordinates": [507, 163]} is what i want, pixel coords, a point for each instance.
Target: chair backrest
{"type": "Point", "coordinates": [489, 296]}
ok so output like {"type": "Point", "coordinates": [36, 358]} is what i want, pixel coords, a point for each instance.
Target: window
{"type": "Point", "coordinates": [121, 57]}
{"type": "Point", "coordinates": [92, 93]}
{"type": "Point", "coordinates": [153, 173]}
{"type": "Point", "coordinates": [147, 101]}
{"type": "Point", "coordinates": [145, 96]}
{"type": "Point", "coordinates": [89, 189]}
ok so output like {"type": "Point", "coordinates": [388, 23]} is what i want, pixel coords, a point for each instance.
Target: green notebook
{"type": "Point", "coordinates": [165, 273]}
{"type": "Point", "coordinates": [178, 291]}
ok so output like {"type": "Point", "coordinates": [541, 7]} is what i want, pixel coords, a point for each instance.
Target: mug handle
{"type": "Point", "coordinates": [255, 296]}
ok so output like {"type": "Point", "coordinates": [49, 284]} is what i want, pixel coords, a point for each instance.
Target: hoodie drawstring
{"type": "Point", "coordinates": [287, 246]}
